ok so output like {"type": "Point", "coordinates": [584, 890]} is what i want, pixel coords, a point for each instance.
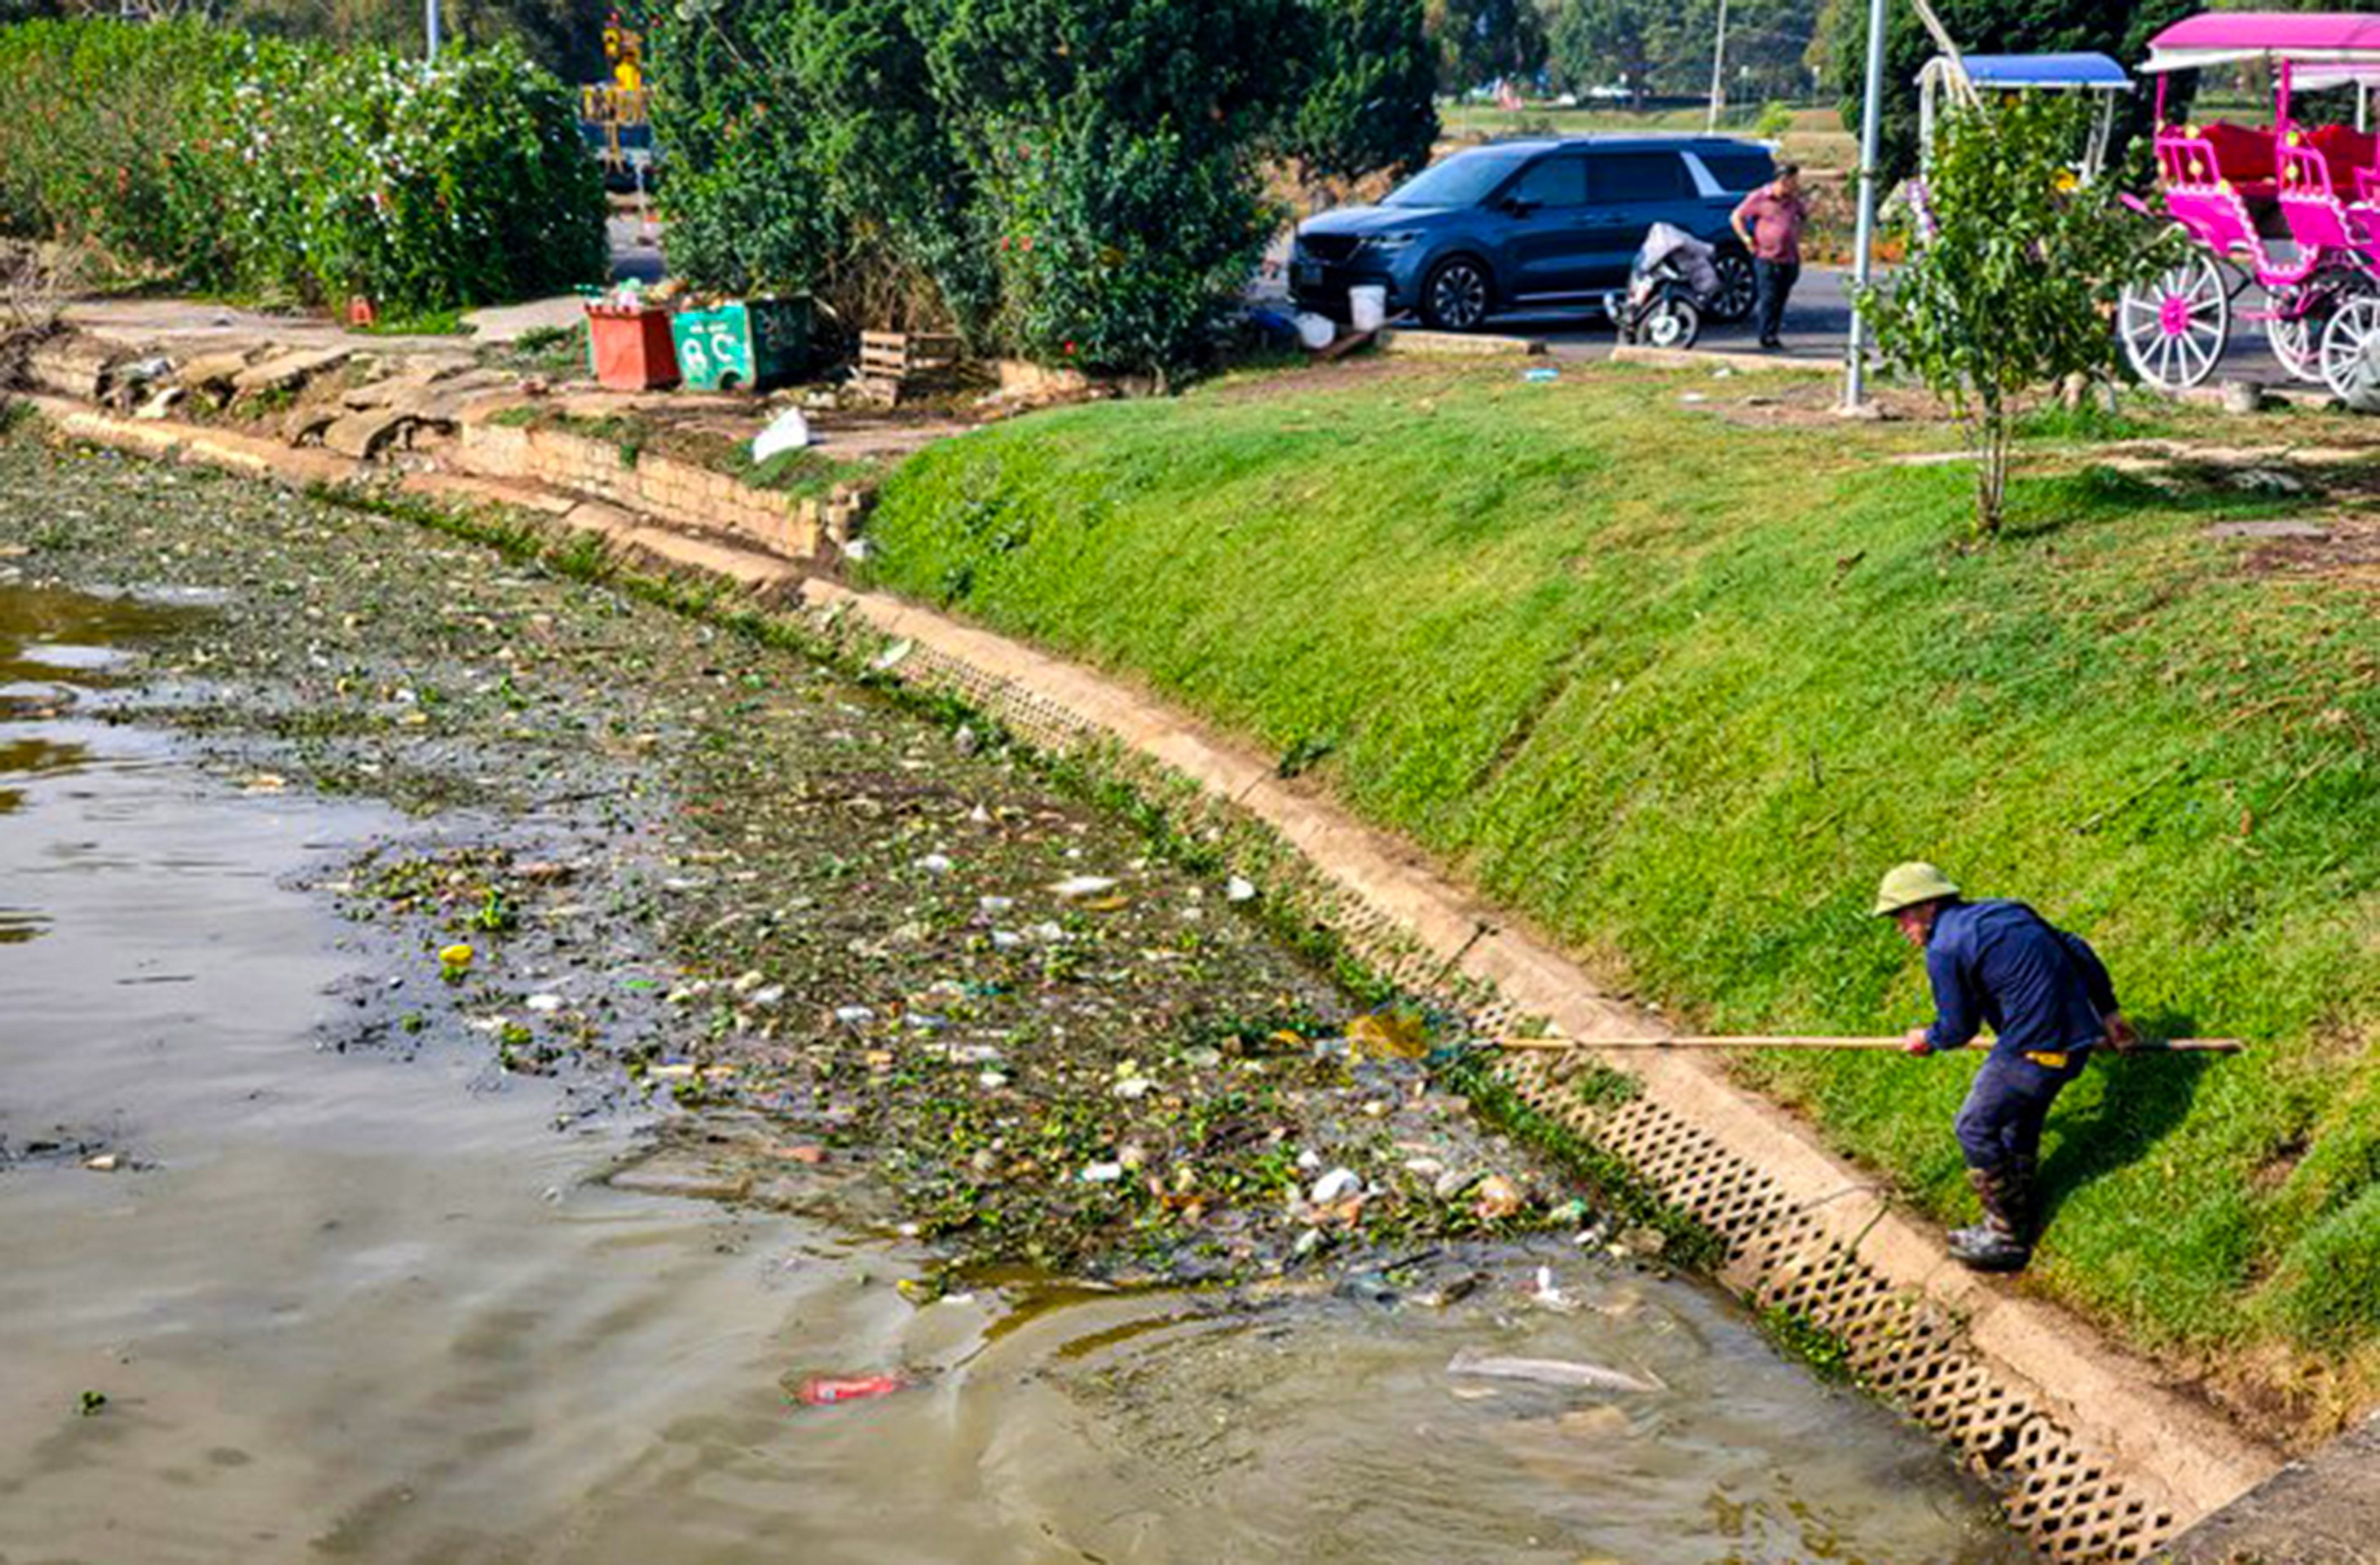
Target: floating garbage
{"type": "Point", "coordinates": [1572, 1372]}
{"type": "Point", "coordinates": [1497, 1197]}
{"type": "Point", "coordinates": [1335, 1184]}
{"type": "Point", "coordinates": [1548, 1293]}
{"type": "Point", "coordinates": [825, 1390]}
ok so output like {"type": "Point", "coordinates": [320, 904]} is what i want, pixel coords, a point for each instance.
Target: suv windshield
{"type": "Point", "coordinates": [1462, 181]}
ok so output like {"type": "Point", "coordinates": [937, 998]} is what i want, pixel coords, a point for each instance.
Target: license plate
{"type": "Point", "coordinates": [1306, 274]}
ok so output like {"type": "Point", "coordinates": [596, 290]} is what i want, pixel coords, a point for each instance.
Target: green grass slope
{"type": "Point", "coordinates": [1681, 689]}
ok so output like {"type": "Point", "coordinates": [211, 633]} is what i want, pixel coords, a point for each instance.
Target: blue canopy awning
{"type": "Point", "coordinates": [2089, 72]}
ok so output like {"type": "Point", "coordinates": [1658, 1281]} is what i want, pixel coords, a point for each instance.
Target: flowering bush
{"type": "Point", "coordinates": [253, 165]}
{"type": "Point", "coordinates": [1118, 251]}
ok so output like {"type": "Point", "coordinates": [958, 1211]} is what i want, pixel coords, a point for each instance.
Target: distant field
{"type": "Point", "coordinates": [1816, 142]}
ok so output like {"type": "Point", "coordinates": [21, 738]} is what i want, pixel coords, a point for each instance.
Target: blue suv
{"type": "Point", "coordinates": [1530, 222]}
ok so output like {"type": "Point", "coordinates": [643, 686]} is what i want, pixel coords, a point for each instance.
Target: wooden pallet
{"type": "Point", "coordinates": [892, 361]}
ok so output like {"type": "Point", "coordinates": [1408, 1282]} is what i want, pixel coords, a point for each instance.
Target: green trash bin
{"type": "Point", "coordinates": [742, 345]}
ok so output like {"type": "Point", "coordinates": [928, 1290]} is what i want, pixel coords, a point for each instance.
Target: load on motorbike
{"type": "Point", "coordinates": [1674, 280]}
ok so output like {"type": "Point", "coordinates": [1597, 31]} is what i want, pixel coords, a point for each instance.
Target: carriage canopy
{"type": "Point", "coordinates": [2323, 49]}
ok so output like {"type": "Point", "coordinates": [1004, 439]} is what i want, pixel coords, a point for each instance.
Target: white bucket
{"type": "Point", "coordinates": [1367, 306]}
{"type": "Point", "coordinates": [1317, 331]}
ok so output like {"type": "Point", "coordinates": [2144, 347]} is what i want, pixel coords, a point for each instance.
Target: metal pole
{"type": "Point", "coordinates": [1856, 371]}
{"type": "Point", "coordinates": [1718, 69]}
{"type": "Point", "coordinates": [430, 13]}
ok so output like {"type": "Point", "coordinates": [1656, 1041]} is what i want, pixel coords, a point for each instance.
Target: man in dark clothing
{"type": "Point", "coordinates": [2046, 994]}
{"type": "Point", "coordinates": [1769, 222]}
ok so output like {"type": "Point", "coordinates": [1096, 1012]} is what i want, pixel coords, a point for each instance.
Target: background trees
{"type": "Point", "coordinates": [1646, 47]}
{"type": "Point", "coordinates": [1984, 27]}
{"type": "Point", "coordinates": [1083, 181]}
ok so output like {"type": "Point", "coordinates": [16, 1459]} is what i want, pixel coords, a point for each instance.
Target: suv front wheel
{"type": "Point", "coordinates": [1738, 290]}
{"type": "Point", "coordinates": [1455, 295]}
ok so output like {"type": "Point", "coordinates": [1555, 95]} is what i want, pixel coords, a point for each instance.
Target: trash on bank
{"type": "Point", "coordinates": [1315, 332]}
{"type": "Point", "coordinates": [788, 430]}
{"type": "Point", "coordinates": [1541, 374]}
{"type": "Point", "coordinates": [1572, 1372]}
{"type": "Point", "coordinates": [825, 1390]}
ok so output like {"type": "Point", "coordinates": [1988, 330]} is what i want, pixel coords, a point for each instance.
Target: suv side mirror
{"type": "Point", "coordinates": [1518, 206]}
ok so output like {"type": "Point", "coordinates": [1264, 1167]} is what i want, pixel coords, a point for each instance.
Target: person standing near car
{"type": "Point", "coordinates": [1769, 222]}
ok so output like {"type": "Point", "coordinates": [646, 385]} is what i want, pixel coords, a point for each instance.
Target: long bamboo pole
{"type": "Point", "coordinates": [1803, 1040]}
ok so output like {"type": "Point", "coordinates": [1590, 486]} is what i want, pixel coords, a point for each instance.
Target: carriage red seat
{"type": "Point", "coordinates": [2353, 156]}
{"type": "Point", "coordinates": [2243, 155]}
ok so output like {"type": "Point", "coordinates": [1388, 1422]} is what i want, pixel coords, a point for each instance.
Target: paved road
{"type": "Point", "coordinates": [1817, 322]}
{"type": "Point", "coordinates": [1817, 325]}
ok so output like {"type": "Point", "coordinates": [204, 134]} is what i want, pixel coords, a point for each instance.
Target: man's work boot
{"type": "Point", "coordinates": [2002, 1241]}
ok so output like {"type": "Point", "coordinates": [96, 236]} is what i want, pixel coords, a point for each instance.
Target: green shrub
{"type": "Point", "coordinates": [1776, 119]}
{"type": "Point", "coordinates": [230, 163]}
{"type": "Point", "coordinates": [1369, 105]}
{"type": "Point", "coordinates": [1119, 251]}
{"type": "Point", "coordinates": [1078, 180]}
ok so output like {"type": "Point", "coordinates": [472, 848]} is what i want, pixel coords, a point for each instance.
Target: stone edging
{"type": "Point", "coordinates": [2096, 1460]}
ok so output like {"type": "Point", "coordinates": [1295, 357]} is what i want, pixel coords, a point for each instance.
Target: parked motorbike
{"type": "Point", "coordinates": [1671, 284]}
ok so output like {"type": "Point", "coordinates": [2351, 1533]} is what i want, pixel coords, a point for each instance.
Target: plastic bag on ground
{"type": "Point", "coordinates": [788, 430]}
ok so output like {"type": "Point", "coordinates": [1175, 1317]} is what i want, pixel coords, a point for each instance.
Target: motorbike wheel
{"type": "Point", "coordinates": [1672, 322]}
{"type": "Point", "coordinates": [1738, 290]}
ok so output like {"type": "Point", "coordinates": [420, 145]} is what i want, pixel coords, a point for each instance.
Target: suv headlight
{"type": "Point", "coordinates": [1389, 244]}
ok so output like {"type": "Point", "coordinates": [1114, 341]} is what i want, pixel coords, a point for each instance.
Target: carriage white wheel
{"type": "Point", "coordinates": [2350, 353]}
{"type": "Point", "coordinates": [2175, 326]}
{"type": "Point", "coordinates": [2296, 342]}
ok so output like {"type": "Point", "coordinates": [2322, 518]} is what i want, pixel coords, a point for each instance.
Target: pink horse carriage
{"type": "Point", "coordinates": [2294, 207]}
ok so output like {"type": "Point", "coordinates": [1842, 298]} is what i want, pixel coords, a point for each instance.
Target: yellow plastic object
{"type": "Point", "coordinates": [1376, 1037]}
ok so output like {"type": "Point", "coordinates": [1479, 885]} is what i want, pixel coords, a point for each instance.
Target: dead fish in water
{"type": "Point", "coordinates": [1546, 1372]}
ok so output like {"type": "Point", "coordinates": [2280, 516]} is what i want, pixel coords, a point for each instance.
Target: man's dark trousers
{"type": "Point", "coordinates": [1774, 280]}
{"type": "Point", "coordinates": [2006, 1108]}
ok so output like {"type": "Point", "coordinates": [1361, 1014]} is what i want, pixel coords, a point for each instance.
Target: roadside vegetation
{"type": "Point", "coordinates": [1678, 679]}
{"type": "Point", "coordinates": [198, 157]}
{"type": "Point", "coordinates": [1078, 182]}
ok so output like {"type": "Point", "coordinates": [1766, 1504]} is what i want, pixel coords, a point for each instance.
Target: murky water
{"type": "Point", "coordinates": [349, 1306]}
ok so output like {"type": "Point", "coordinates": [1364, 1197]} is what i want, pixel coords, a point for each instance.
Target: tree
{"type": "Point", "coordinates": [1478, 41]}
{"type": "Point", "coordinates": [1367, 105]}
{"type": "Point", "coordinates": [1986, 27]}
{"type": "Point", "coordinates": [1652, 48]}
{"type": "Point", "coordinates": [2011, 275]}
{"type": "Point", "coordinates": [1593, 44]}
{"type": "Point", "coordinates": [1080, 180]}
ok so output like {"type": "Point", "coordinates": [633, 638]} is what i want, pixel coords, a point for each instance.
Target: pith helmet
{"type": "Point", "coordinates": [1906, 885]}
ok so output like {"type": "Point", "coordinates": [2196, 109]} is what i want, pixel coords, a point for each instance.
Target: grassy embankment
{"type": "Point", "coordinates": [1680, 689]}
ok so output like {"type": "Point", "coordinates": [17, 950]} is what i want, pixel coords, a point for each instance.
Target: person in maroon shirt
{"type": "Point", "coordinates": [1769, 222]}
